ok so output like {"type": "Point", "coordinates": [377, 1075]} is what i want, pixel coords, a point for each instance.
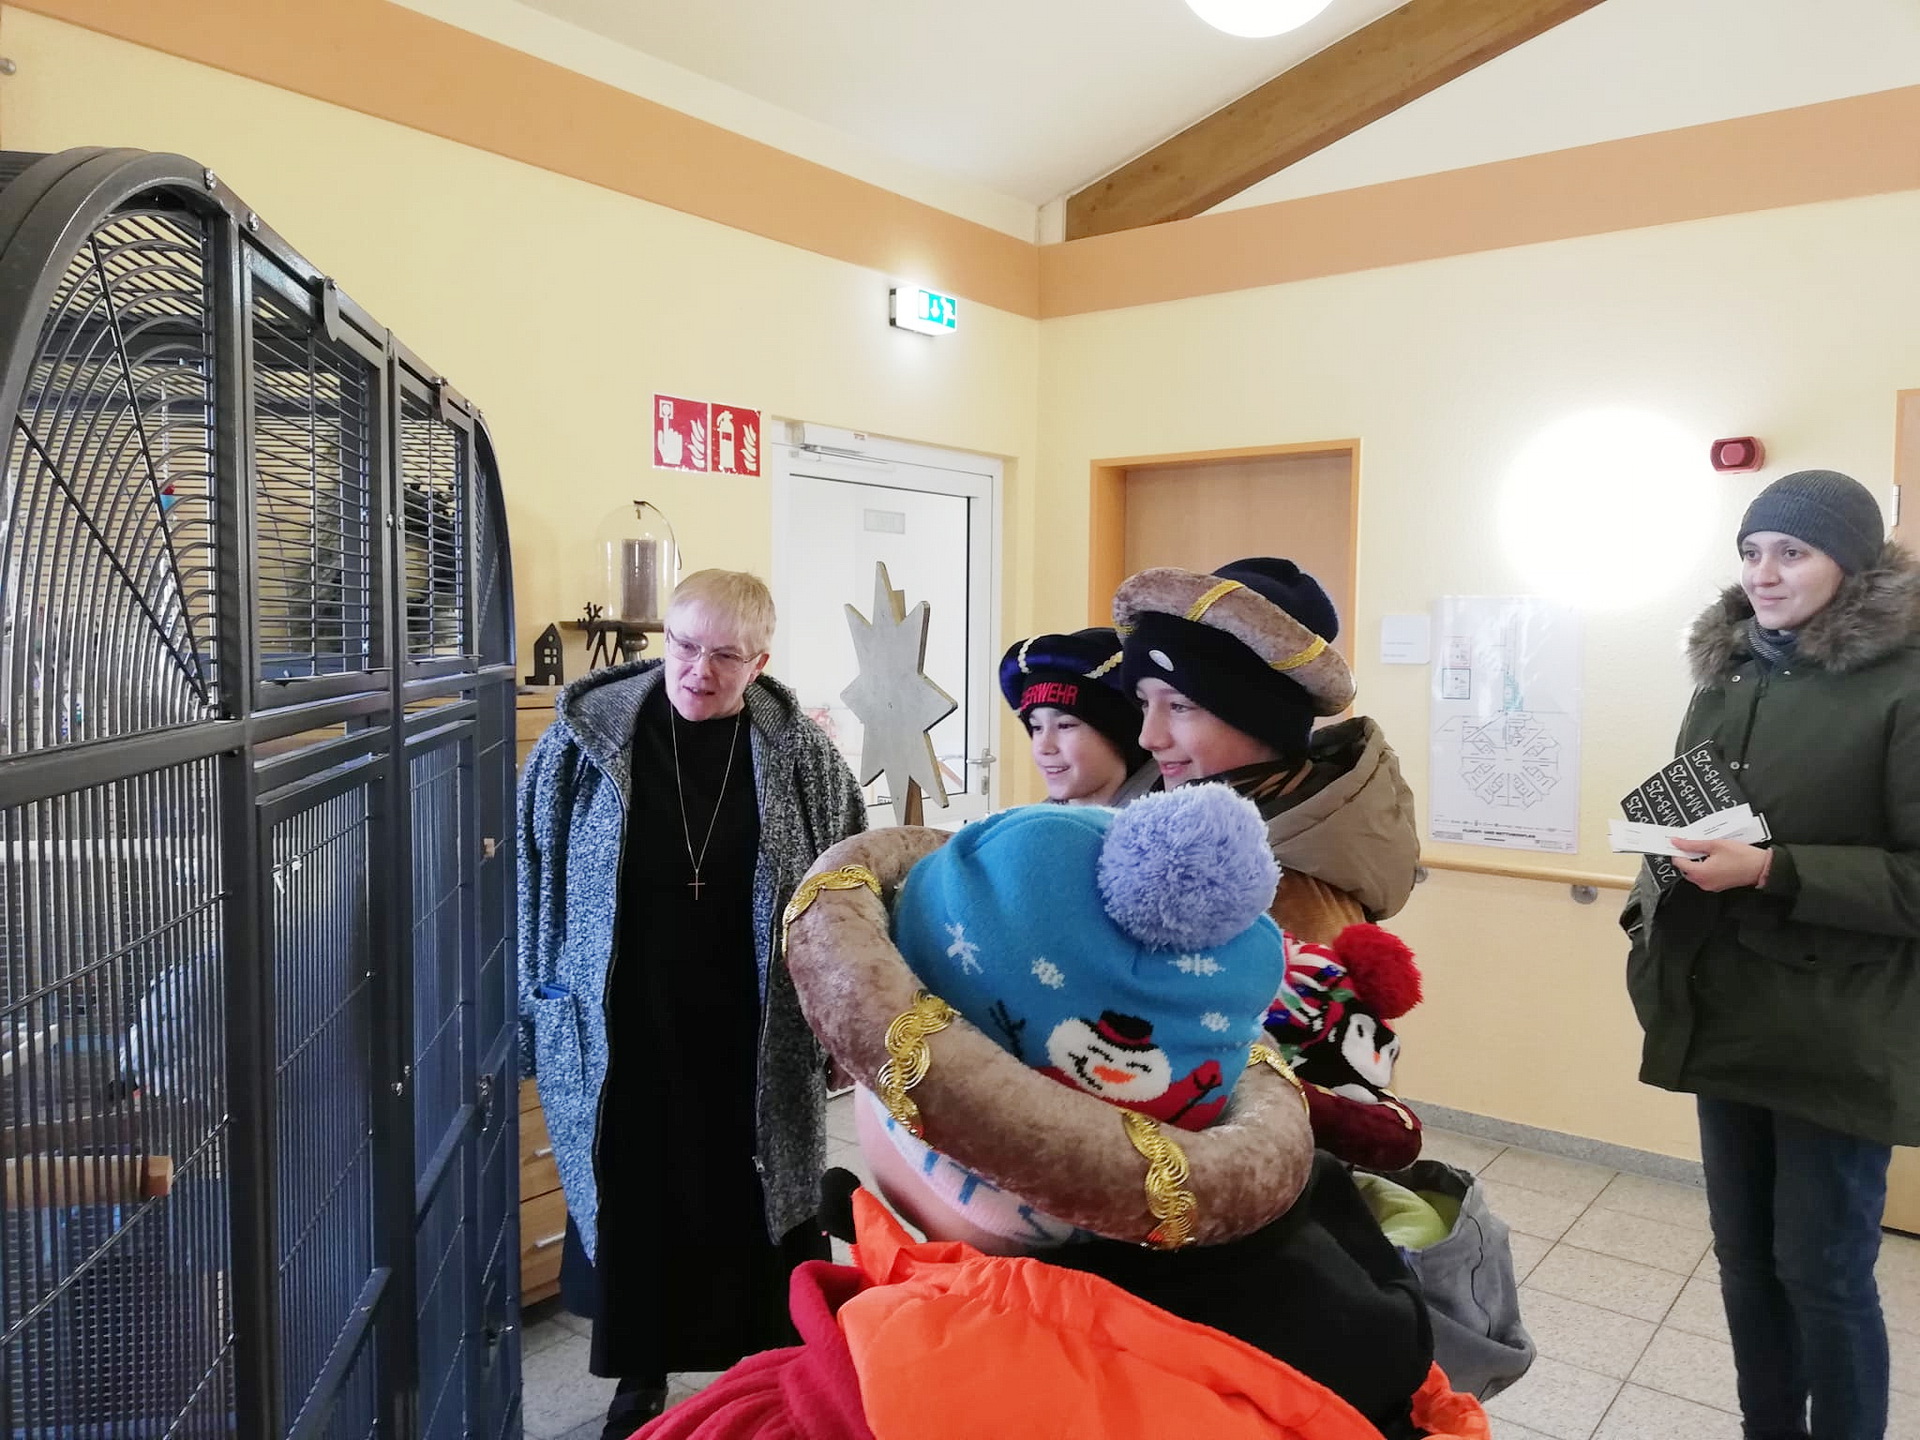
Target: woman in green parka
{"type": "Point", "coordinates": [1778, 984]}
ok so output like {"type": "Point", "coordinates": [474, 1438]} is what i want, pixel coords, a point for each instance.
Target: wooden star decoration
{"type": "Point", "coordinates": [894, 700]}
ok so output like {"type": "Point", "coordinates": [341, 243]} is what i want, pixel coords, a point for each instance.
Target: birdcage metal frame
{"type": "Point", "coordinates": [346, 740]}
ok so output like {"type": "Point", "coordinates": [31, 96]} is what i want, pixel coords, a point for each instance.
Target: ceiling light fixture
{"type": "Point", "coordinates": [1257, 19]}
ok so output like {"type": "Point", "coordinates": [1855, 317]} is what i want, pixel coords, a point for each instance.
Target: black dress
{"type": "Point", "coordinates": [686, 1277]}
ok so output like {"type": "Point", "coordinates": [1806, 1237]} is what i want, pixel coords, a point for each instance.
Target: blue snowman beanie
{"type": "Point", "coordinates": [1125, 953]}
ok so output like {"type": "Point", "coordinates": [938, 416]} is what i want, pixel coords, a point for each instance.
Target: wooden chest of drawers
{"type": "Point", "coordinates": [543, 1206]}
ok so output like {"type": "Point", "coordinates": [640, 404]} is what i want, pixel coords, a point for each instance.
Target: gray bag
{"type": "Point", "coordinates": [1467, 1279]}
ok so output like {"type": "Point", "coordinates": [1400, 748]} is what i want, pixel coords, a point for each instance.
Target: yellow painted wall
{"type": "Point", "coordinates": [556, 306]}
{"type": "Point", "coordinates": [560, 308]}
{"type": "Point", "coordinates": [1795, 325]}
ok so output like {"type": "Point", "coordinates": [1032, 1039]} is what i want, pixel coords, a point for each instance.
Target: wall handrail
{"type": "Point", "coordinates": [1596, 879]}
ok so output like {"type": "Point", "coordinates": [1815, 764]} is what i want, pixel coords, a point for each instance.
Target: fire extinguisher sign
{"type": "Point", "coordinates": [704, 438]}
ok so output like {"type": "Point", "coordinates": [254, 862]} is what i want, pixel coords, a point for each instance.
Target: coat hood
{"type": "Point", "coordinates": [1874, 614]}
{"type": "Point", "coordinates": [602, 708]}
{"type": "Point", "coordinates": [1352, 823]}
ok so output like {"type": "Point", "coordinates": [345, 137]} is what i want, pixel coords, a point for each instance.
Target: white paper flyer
{"type": "Point", "coordinates": [1505, 724]}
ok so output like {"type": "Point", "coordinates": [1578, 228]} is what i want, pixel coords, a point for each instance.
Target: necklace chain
{"type": "Point", "coordinates": [679, 789]}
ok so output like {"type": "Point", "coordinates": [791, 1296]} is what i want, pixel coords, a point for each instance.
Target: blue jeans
{"type": "Point", "coordinates": [1796, 1213]}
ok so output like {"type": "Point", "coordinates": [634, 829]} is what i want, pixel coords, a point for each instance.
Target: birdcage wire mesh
{"type": "Point", "coordinates": [441, 1015]}
{"type": "Point", "coordinates": [313, 462]}
{"type": "Point", "coordinates": [440, 1011]}
{"type": "Point", "coordinates": [322, 977]}
{"type": "Point", "coordinates": [107, 560]}
{"type": "Point", "coordinates": [239, 877]}
{"type": "Point", "coordinates": [356, 1409]}
{"type": "Point", "coordinates": [445, 1326]}
{"type": "Point", "coordinates": [493, 612]}
{"type": "Point", "coordinates": [114, 1308]}
{"type": "Point", "coordinates": [434, 519]}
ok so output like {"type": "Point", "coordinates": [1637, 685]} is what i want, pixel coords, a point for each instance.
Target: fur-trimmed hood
{"type": "Point", "coordinates": [1874, 614]}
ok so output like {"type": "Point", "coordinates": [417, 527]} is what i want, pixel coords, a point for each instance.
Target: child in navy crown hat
{"type": "Point", "coordinates": [1082, 724]}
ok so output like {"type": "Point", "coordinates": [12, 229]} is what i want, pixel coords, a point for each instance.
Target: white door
{"type": "Point", "coordinates": [842, 502]}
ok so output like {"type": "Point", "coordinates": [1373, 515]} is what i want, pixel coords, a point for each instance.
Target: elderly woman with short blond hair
{"type": "Point", "coordinates": [666, 818]}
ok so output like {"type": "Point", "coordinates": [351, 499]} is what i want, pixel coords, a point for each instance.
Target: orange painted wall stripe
{"type": "Point", "coordinates": [1838, 150]}
{"type": "Point", "coordinates": [384, 60]}
{"type": "Point", "coordinates": [395, 64]}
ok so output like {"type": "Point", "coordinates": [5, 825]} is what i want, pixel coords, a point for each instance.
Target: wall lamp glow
{"type": "Point", "coordinates": [1608, 509]}
{"type": "Point", "coordinates": [1257, 19]}
{"type": "Point", "coordinates": [927, 312]}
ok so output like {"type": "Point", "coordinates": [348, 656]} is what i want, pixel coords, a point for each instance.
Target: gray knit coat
{"type": "Point", "coordinates": [574, 797]}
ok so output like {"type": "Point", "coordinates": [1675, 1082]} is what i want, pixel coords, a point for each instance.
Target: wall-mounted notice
{"type": "Point", "coordinates": [1506, 724]}
{"type": "Point", "coordinates": [1406, 639]}
{"type": "Point", "coordinates": [703, 437]}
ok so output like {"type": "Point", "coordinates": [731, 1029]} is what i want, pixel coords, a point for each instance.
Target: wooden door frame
{"type": "Point", "coordinates": [1906, 462]}
{"type": "Point", "coordinates": [1107, 511]}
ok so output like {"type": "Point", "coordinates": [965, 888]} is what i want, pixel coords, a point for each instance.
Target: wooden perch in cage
{"type": "Point", "coordinates": [37, 1182]}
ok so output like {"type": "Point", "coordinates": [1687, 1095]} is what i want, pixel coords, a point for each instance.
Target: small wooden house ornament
{"type": "Point", "coordinates": [548, 655]}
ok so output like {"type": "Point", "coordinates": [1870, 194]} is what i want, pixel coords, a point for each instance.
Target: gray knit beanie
{"type": "Point", "coordinates": [1830, 511]}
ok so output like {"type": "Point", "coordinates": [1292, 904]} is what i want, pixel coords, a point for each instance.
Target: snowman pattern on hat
{"type": "Point", "coordinates": [1116, 1059]}
{"type": "Point", "coordinates": [1127, 954]}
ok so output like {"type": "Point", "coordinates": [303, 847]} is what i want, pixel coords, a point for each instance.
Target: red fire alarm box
{"type": "Point", "coordinates": [1739, 454]}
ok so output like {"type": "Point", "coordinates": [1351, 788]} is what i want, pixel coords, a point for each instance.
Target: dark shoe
{"type": "Point", "coordinates": [632, 1407]}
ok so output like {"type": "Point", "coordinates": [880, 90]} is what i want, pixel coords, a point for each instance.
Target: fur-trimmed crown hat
{"type": "Point", "coordinates": [1124, 953]}
{"type": "Point", "coordinates": [1014, 1130]}
{"type": "Point", "coordinates": [1080, 674]}
{"type": "Point", "coordinates": [1252, 642]}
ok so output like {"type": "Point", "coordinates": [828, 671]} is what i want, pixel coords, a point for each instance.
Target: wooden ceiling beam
{"type": "Point", "coordinates": [1373, 72]}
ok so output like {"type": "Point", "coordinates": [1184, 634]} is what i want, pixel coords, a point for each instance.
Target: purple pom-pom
{"type": "Point", "coordinates": [1188, 868]}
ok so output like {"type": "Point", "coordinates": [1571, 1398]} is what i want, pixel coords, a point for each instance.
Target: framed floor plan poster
{"type": "Point", "coordinates": [1505, 724]}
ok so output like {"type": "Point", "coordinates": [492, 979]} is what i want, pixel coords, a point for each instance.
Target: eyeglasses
{"type": "Point", "coordinates": [688, 653]}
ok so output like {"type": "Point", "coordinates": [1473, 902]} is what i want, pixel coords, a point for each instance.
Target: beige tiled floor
{"type": "Point", "coordinates": [1620, 1290]}
{"type": "Point", "coordinates": [1617, 1284]}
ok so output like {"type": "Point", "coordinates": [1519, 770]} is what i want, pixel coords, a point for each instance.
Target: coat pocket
{"type": "Point", "coordinates": [1818, 947]}
{"type": "Point", "coordinates": [556, 1040]}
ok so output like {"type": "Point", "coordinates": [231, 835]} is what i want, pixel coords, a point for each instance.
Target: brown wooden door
{"type": "Point", "coordinates": [1202, 515]}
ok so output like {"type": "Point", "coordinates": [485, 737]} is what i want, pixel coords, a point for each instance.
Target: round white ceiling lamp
{"type": "Point", "coordinates": [1257, 19]}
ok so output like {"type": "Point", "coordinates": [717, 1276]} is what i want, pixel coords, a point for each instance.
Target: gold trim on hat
{"type": "Point", "coordinates": [847, 877]}
{"type": "Point", "coordinates": [1206, 601]}
{"type": "Point", "coordinates": [908, 1057]}
{"type": "Point", "coordinates": [1021, 661]}
{"type": "Point", "coordinates": [1266, 1055]}
{"type": "Point", "coordinates": [1306, 657]}
{"type": "Point", "coordinates": [1107, 664]}
{"type": "Point", "coordinates": [1170, 1202]}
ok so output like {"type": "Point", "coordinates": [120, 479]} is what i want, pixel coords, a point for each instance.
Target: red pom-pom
{"type": "Point", "coordinates": [1380, 970]}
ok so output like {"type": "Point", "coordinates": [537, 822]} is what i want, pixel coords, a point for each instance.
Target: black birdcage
{"type": "Point", "coordinates": [256, 770]}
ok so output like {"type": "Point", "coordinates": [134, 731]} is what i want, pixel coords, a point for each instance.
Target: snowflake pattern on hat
{"type": "Point", "coordinates": [1030, 923]}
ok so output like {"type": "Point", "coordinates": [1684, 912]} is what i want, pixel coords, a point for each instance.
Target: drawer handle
{"type": "Point", "coordinates": [543, 1152]}
{"type": "Point", "coordinates": [550, 1241]}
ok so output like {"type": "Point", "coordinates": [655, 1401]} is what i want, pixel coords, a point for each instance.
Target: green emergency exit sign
{"type": "Point", "coordinates": [925, 311]}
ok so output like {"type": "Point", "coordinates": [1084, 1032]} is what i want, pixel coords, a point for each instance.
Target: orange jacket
{"type": "Point", "coordinates": [950, 1344]}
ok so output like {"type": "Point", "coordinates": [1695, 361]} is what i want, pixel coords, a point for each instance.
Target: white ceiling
{"type": "Point", "coordinates": [1032, 98]}
{"type": "Point", "coordinates": [992, 108]}
{"type": "Point", "coordinates": [1627, 67]}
